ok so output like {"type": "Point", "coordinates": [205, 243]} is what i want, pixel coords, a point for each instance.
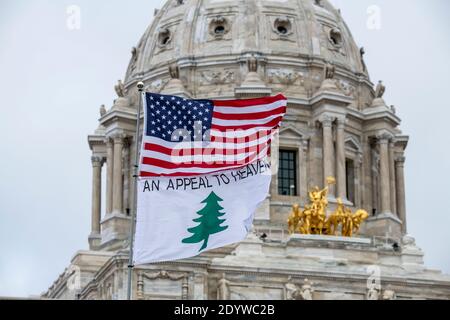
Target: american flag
{"type": "Point", "coordinates": [184, 137]}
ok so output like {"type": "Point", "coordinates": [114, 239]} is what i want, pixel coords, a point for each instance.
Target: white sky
{"type": "Point", "coordinates": [53, 81]}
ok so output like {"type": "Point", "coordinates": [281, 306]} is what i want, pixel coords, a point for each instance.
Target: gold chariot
{"type": "Point", "coordinates": [314, 220]}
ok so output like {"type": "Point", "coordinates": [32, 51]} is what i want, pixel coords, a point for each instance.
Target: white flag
{"type": "Point", "coordinates": [181, 217]}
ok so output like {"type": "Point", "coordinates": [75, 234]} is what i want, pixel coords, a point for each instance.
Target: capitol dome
{"type": "Point", "coordinates": [210, 41]}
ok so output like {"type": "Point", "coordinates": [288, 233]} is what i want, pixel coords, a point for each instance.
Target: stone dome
{"type": "Point", "coordinates": [210, 41]}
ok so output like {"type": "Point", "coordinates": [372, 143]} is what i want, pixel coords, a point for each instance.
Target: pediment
{"type": "Point", "coordinates": [352, 144]}
{"type": "Point", "coordinates": [292, 133]}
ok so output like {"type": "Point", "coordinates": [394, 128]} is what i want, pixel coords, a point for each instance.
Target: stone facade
{"type": "Point", "coordinates": [337, 123]}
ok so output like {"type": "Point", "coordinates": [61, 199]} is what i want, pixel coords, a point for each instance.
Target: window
{"type": "Point", "coordinates": [287, 174]}
{"type": "Point", "coordinates": [283, 26]}
{"type": "Point", "coordinates": [350, 179]}
{"type": "Point", "coordinates": [335, 37]}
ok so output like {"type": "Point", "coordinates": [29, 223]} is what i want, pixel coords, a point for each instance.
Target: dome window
{"type": "Point", "coordinates": [219, 27]}
{"type": "Point", "coordinates": [283, 26]}
{"type": "Point", "coordinates": [164, 37]}
{"type": "Point", "coordinates": [335, 37]}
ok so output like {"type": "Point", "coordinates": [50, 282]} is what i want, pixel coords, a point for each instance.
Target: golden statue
{"type": "Point", "coordinates": [313, 219]}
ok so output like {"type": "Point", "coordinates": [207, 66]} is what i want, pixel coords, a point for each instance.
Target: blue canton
{"type": "Point", "coordinates": [177, 119]}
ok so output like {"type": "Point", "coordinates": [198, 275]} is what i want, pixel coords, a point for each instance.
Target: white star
{"type": "Point", "coordinates": [153, 131]}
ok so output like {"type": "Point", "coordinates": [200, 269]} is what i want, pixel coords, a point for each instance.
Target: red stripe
{"type": "Point", "coordinates": [271, 124]}
{"type": "Point", "coordinates": [248, 116]}
{"type": "Point", "coordinates": [248, 102]}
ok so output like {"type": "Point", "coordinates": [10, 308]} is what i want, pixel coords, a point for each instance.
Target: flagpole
{"type": "Point", "coordinates": [140, 87]}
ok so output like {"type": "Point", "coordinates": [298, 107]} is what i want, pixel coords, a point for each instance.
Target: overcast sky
{"type": "Point", "coordinates": [54, 79]}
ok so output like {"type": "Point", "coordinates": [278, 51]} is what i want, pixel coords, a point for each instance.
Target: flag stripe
{"type": "Point", "coordinates": [248, 116]}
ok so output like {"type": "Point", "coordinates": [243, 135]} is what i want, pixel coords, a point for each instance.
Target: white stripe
{"type": "Point", "coordinates": [253, 109]}
{"type": "Point", "coordinates": [204, 144]}
{"type": "Point", "coordinates": [221, 122]}
{"type": "Point", "coordinates": [239, 133]}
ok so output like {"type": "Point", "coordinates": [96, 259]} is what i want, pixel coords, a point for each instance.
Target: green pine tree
{"type": "Point", "coordinates": [209, 222]}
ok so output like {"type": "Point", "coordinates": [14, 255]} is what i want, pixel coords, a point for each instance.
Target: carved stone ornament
{"type": "Point", "coordinates": [174, 71]}
{"type": "Point", "coordinates": [285, 77]}
{"type": "Point", "coordinates": [120, 89]}
{"type": "Point", "coordinates": [217, 77]}
{"type": "Point", "coordinates": [223, 288]}
{"type": "Point", "coordinates": [380, 90]}
{"type": "Point", "coordinates": [157, 85]}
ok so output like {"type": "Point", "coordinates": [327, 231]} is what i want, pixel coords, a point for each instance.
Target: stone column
{"type": "Point", "coordinates": [400, 181]}
{"type": "Point", "coordinates": [340, 160]}
{"type": "Point", "coordinates": [392, 177]}
{"type": "Point", "coordinates": [328, 151]}
{"type": "Point", "coordinates": [303, 158]}
{"type": "Point", "coordinates": [109, 174]}
{"type": "Point", "coordinates": [385, 188]}
{"type": "Point", "coordinates": [359, 180]}
{"type": "Point", "coordinates": [117, 174]}
{"type": "Point", "coordinates": [126, 175]}
{"type": "Point", "coordinates": [97, 163]}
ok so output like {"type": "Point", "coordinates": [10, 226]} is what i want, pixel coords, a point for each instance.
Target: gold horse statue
{"type": "Point", "coordinates": [314, 220]}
